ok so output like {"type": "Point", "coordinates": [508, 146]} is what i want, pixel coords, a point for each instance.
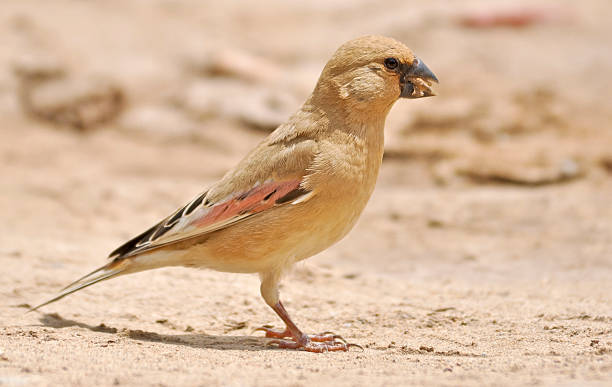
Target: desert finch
{"type": "Point", "coordinates": [298, 192]}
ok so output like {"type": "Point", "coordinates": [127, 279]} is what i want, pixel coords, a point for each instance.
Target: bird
{"type": "Point", "coordinates": [299, 191]}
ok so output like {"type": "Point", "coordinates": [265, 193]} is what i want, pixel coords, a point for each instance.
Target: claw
{"type": "Point", "coordinates": [348, 345]}
{"type": "Point", "coordinates": [263, 328]}
{"type": "Point", "coordinates": [340, 338]}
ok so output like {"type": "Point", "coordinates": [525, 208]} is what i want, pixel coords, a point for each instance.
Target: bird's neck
{"type": "Point", "coordinates": [361, 130]}
{"type": "Point", "coordinates": [358, 138]}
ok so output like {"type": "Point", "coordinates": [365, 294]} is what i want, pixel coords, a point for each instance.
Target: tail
{"type": "Point", "coordinates": [105, 272]}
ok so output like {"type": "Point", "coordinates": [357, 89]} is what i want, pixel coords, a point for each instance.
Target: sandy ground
{"type": "Point", "coordinates": [483, 258]}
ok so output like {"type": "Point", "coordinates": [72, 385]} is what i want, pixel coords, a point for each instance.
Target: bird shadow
{"type": "Point", "coordinates": [194, 340]}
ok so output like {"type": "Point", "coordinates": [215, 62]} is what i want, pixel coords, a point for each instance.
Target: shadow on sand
{"type": "Point", "coordinates": [195, 340]}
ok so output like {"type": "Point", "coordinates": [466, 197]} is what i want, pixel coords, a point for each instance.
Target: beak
{"type": "Point", "coordinates": [416, 80]}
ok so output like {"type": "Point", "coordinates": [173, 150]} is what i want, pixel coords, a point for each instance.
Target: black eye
{"type": "Point", "coordinates": [391, 63]}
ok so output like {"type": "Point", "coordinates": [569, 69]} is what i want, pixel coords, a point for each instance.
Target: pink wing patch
{"type": "Point", "coordinates": [200, 216]}
{"type": "Point", "coordinates": [258, 199]}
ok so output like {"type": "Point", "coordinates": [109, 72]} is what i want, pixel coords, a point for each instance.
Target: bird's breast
{"type": "Point", "coordinates": [345, 174]}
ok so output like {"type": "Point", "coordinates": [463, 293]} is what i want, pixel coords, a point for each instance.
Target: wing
{"type": "Point", "coordinates": [273, 174]}
{"type": "Point", "coordinates": [201, 216]}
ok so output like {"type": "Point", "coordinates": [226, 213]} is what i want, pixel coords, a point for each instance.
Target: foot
{"type": "Point", "coordinates": [281, 334]}
{"type": "Point", "coordinates": [323, 342]}
{"type": "Point", "coordinates": [315, 343]}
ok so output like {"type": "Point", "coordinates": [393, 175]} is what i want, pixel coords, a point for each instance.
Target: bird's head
{"type": "Point", "coordinates": [370, 73]}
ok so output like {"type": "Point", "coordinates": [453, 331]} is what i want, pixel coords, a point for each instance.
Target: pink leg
{"type": "Point", "coordinates": [324, 342]}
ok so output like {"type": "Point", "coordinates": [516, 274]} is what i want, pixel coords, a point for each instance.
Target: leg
{"type": "Point", "coordinates": [298, 340]}
{"type": "Point", "coordinates": [269, 292]}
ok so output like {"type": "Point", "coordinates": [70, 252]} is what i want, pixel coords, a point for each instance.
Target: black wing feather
{"type": "Point", "coordinates": [138, 242]}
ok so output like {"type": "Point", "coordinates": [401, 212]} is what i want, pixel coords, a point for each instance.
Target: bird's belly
{"type": "Point", "coordinates": [328, 232]}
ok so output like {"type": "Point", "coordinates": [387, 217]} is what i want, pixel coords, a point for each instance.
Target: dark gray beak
{"type": "Point", "coordinates": [416, 79]}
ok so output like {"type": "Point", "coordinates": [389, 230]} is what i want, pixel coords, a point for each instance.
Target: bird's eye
{"type": "Point", "coordinates": [391, 63]}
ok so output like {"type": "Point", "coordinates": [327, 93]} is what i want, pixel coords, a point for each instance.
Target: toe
{"type": "Point", "coordinates": [273, 333]}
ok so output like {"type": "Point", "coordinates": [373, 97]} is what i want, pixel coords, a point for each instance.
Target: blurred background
{"type": "Point", "coordinates": [128, 108]}
{"type": "Point", "coordinates": [114, 113]}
